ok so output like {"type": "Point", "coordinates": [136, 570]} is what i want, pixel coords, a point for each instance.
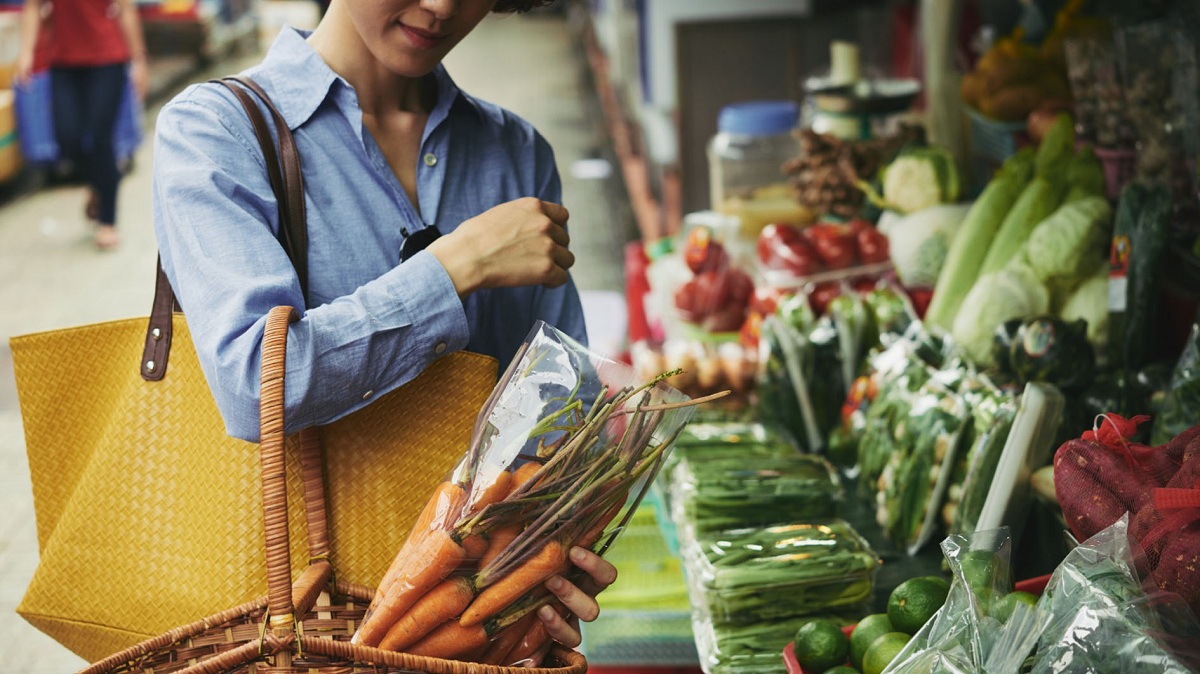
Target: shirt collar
{"type": "Point", "coordinates": [299, 80]}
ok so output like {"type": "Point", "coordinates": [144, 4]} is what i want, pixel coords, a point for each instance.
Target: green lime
{"type": "Point", "coordinates": [865, 633]}
{"type": "Point", "coordinates": [914, 602]}
{"type": "Point", "coordinates": [1002, 608]}
{"type": "Point", "coordinates": [821, 645]}
{"type": "Point", "coordinates": [842, 669]}
{"type": "Point", "coordinates": [977, 570]}
{"type": "Point", "coordinates": [883, 651]}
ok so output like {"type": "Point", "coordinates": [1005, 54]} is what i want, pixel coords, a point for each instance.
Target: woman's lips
{"type": "Point", "coordinates": [423, 38]}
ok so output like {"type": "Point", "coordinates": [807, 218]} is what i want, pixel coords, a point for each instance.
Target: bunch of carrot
{"type": "Point", "coordinates": [467, 583]}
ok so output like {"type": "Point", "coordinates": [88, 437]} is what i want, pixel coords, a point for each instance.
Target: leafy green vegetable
{"type": "Point", "coordinates": [764, 574]}
{"type": "Point", "coordinates": [1065, 248]}
{"type": "Point", "coordinates": [1012, 292]}
{"type": "Point", "coordinates": [1183, 397]}
{"type": "Point", "coordinates": [1037, 201]}
{"type": "Point", "coordinates": [1085, 175]}
{"type": "Point", "coordinates": [919, 243]}
{"type": "Point", "coordinates": [920, 177]}
{"type": "Point", "coordinates": [714, 493]}
{"type": "Point", "coordinates": [1089, 303]}
{"type": "Point", "coordinates": [975, 236]}
{"type": "Point", "coordinates": [985, 457]}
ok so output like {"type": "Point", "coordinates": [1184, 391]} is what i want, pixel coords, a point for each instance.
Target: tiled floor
{"type": "Point", "coordinates": [50, 276]}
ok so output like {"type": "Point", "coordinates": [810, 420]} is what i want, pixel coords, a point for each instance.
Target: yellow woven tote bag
{"type": "Point", "coordinates": [140, 494]}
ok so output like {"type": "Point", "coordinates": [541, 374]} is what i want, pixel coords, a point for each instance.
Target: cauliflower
{"type": "Point", "coordinates": [918, 243]}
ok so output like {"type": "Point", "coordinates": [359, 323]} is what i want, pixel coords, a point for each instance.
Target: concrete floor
{"type": "Point", "coordinates": [51, 276]}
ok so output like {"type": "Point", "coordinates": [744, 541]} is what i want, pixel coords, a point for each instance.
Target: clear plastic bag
{"type": "Point", "coordinates": [561, 455]}
{"type": "Point", "coordinates": [1094, 617]}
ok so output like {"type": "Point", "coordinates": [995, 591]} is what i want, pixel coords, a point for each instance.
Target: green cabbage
{"type": "Point", "coordinates": [1013, 292]}
{"type": "Point", "coordinates": [1066, 246]}
{"type": "Point", "coordinates": [1090, 303]}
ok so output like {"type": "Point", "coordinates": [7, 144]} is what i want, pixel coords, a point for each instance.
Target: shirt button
{"type": "Point", "coordinates": [368, 394]}
{"type": "Point", "coordinates": [440, 348]}
{"type": "Point", "coordinates": [430, 159]}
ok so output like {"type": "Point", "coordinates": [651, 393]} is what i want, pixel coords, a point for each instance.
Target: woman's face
{"type": "Point", "coordinates": [410, 37]}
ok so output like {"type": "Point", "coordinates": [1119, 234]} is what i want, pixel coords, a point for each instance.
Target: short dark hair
{"type": "Point", "coordinates": [519, 6]}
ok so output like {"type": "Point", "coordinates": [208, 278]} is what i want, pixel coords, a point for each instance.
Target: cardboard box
{"type": "Point", "coordinates": [10, 149]}
{"type": "Point", "coordinates": [10, 46]}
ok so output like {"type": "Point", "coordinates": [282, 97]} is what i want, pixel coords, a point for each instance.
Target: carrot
{"type": "Point", "coordinates": [494, 492]}
{"type": "Point", "coordinates": [550, 560]}
{"type": "Point", "coordinates": [589, 537]}
{"type": "Point", "coordinates": [451, 640]}
{"type": "Point", "coordinates": [475, 546]}
{"type": "Point", "coordinates": [507, 639]}
{"type": "Point", "coordinates": [498, 539]}
{"type": "Point", "coordinates": [525, 472]}
{"type": "Point", "coordinates": [443, 499]}
{"type": "Point", "coordinates": [442, 603]}
{"type": "Point", "coordinates": [438, 557]}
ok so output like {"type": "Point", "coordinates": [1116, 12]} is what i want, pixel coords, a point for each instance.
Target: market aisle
{"type": "Point", "coordinates": [50, 276]}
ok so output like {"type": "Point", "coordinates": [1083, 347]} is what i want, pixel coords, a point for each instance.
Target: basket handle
{"type": "Point", "coordinates": [272, 442]}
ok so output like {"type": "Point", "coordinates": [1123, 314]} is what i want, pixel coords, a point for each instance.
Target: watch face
{"type": "Point", "coordinates": [417, 241]}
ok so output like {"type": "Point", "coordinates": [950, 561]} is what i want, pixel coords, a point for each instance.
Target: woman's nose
{"type": "Point", "coordinates": [441, 9]}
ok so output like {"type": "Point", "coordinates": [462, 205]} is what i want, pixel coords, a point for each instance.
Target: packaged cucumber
{"type": "Point", "coordinates": [716, 493]}
{"type": "Point", "coordinates": [765, 574]}
{"type": "Point", "coordinates": [984, 457]}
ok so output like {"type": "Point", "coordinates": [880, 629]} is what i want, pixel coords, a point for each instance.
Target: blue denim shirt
{"type": "Point", "coordinates": [372, 323]}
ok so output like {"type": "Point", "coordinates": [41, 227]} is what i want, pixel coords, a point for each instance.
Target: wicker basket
{"type": "Point", "coordinates": [302, 627]}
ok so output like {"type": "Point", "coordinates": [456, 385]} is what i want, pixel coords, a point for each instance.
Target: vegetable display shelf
{"type": "Point", "coordinates": [646, 620]}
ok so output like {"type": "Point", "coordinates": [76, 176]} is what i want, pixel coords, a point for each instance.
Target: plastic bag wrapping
{"type": "Point", "coordinates": [1094, 616]}
{"type": "Point", "coordinates": [751, 589]}
{"type": "Point", "coordinates": [765, 574]}
{"type": "Point", "coordinates": [561, 455]}
{"type": "Point", "coordinates": [1103, 619]}
{"type": "Point", "coordinates": [720, 493]}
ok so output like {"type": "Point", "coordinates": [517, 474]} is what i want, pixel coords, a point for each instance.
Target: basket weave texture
{"type": "Point", "coordinates": [148, 520]}
{"type": "Point", "coordinates": [300, 627]}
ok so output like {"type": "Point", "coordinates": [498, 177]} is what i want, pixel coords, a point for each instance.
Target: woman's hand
{"type": "Point", "coordinates": [518, 243]}
{"type": "Point", "coordinates": [579, 600]}
{"type": "Point", "coordinates": [139, 76]}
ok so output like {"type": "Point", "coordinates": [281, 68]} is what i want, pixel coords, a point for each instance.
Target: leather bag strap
{"type": "Point", "coordinates": [283, 172]}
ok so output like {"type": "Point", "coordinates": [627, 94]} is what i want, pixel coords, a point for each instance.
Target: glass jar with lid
{"type": "Point", "coordinates": [746, 156]}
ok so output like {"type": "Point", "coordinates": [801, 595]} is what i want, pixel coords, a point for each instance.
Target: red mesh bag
{"type": "Point", "coordinates": [1102, 475]}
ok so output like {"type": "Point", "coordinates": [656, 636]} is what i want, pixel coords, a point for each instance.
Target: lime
{"type": "Point", "coordinates": [977, 570]}
{"type": "Point", "coordinates": [914, 602]}
{"type": "Point", "coordinates": [821, 645]}
{"type": "Point", "coordinates": [1002, 608]}
{"type": "Point", "coordinates": [842, 669]}
{"type": "Point", "coordinates": [865, 633]}
{"type": "Point", "coordinates": [883, 651]}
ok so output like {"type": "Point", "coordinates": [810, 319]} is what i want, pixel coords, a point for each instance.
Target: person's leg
{"type": "Point", "coordinates": [105, 88]}
{"type": "Point", "coordinates": [67, 100]}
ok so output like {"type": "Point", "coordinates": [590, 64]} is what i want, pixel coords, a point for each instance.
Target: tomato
{"type": "Point", "coordinates": [782, 248]}
{"type": "Point", "coordinates": [686, 302]}
{"type": "Point", "coordinates": [872, 245]}
{"type": "Point", "coordinates": [702, 252]}
{"type": "Point", "coordinates": [920, 299]}
{"type": "Point", "coordinates": [766, 299]}
{"type": "Point", "coordinates": [864, 284]}
{"type": "Point", "coordinates": [710, 293]}
{"type": "Point", "coordinates": [834, 245]}
{"type": "Point", "coordinates": [726, 319]}
{"type": "Point", "coordinates": [751, 330]}
{"type": "Point", "coordinates": [822, 295]}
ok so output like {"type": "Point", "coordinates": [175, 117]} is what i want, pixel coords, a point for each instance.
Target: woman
{"type": "Point", "coordinates": [390, 148]}
{"type": "Point", "coordinates": [93, 47]}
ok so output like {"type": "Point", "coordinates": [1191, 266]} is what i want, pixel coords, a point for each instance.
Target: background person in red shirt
{"type": "Point", "coordinates": [94, 47]}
